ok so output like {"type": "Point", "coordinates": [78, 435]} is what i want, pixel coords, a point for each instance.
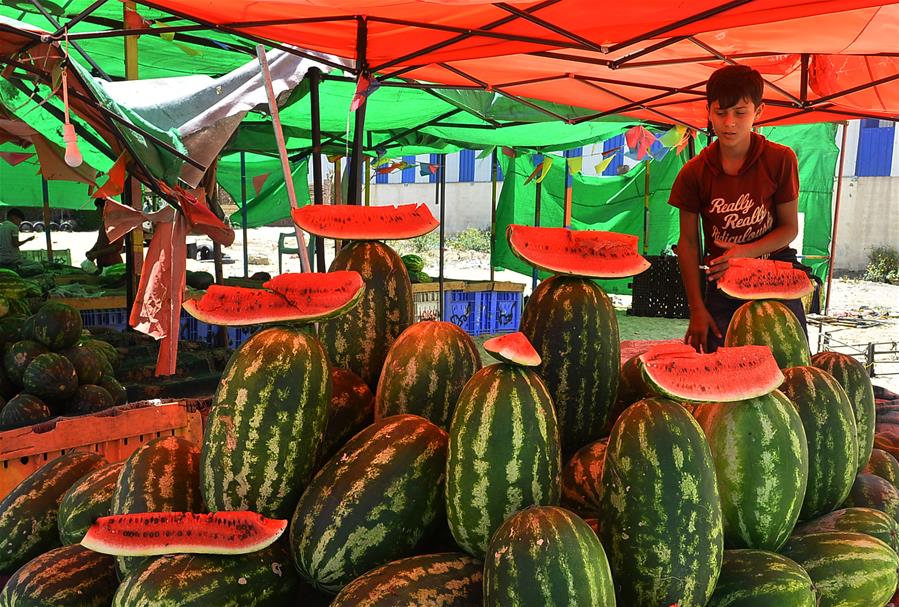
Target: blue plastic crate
{"type": "Point", "coordinates": [501, 312]}
{"type": "Point", "coordinates": [463, 308]}
{"type": "Point", "coordinates": [195, 330]}
{"type": "Point", "coordinates": [114, 318]}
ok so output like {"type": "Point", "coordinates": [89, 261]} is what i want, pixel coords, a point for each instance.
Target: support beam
{"type": "Point", "coordinates": [836, 221]}
{"type": "Point", "coordinates": [537, 195]}
{"type": "Point", "coordinates": [318, 193]}
{"type": "Point", "coordinates": [49, 17]}
{"type": "Point", "coordinates": [494, 178]}
{"type": "Point", "coordinates": [45, 188]}
{"type": "Point", "coordinates": [243, 213]}
{"type": "Point", "coordinates": [441, 201]}
{"type": "Point", "coordinates": [354, 193]}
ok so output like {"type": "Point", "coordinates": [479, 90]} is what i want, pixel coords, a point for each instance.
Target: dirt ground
{"type": "Point", "coordinates": [874, 306]}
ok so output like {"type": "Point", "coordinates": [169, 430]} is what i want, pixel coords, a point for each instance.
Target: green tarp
{"type": "Point", "coordinates": [20, 186]}
{"type": "Point", "coordinates": [271, 203]}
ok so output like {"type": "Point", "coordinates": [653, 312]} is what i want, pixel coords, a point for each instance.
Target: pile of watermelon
{"type": "Point", "coordinates": [49, 368]}
{"type": "Point", "coordinates": [354, 458]}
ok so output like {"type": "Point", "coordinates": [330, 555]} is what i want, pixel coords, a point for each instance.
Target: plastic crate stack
{"type": "Point", "coordinates": [659, 291]}
{"type": "Point", "coordinates": [500, 312]}
{"type": "Point", "coordinates": [114, 318]}
{"type": "Point", "coordinates": [196, 330]}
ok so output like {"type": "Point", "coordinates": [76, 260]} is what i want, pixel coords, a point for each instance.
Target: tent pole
{"type": "Point", "coordinates": [836, 221]}
{"type": "Point", "coordinates": [243, 213]}
{"type": "Point", "coordinates": [537, 194]}
{"type": "Point", "coordinates": [318, 194]}
{"type": "Point", "coordinates": [367, 181]}
{"type": "Point", "coordinates": [46, 189]}
{"type": "Point", "coordinates": [282, 152]}
{"type": "Point", "coordinates": [494, 178]}
{"type": "Point", "coordinates": [441, 202]}
{"type": "Point", "coordinates": [355, 176]}
{"type": "Point", "coordinates": [569, 183]}
{"type": "Point", "coordinates": [646, 208]}
{"type": "Point", "coordinates": [130, 247]}
{"type": "Point", "coordinates": [133, 186]}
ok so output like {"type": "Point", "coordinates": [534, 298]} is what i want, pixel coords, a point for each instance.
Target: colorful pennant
{"type": "Point", "coordinates": [115, 184]}
{"type": "Point", "coordinates": [14, 158]}
{"type": "Point", "coordinates": [365, 86]}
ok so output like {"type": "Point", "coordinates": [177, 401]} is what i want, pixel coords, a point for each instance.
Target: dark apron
{"type": "Point", "coordinates": [722, 307]}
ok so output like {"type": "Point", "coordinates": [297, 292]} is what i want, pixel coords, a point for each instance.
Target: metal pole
{"type": "Point", "coordinates": [534, 277]}
{"type": "Point", "coordinates": [494, 177]}
{"type": "Point", "coordinates": [367, 181]}
{"type": "Point", "coordinates": [646, 208]}
{"type": "Point", "coordinates": [132, 187]}
{"type": "Point", "coordinates": [441, 202]}
{"type": "Point", "coordinates": [243, 213]}
{"type": "Point", "coordinates": [130, 247]}
{"type": "Point", "coordinates": [836, 221]}
{"type": "Point", "coordinates": [282, 152]}
{"type": "Point", "coordinates": [318, 194]}
{"type": "Point", "coordinates": [569, 184]}
{"type": "Point", "coordinates": [47, 218]}
{"type": "Point", "coordinates": [355, 176]}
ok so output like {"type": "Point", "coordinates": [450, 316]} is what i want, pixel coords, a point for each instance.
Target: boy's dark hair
{"type": "Point", "coordinates": [15, 213]}
{"type": "Point", "coordinates": [732, 83]}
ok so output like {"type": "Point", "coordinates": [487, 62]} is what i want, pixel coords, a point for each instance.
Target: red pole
{"type": "Point", "coordinates": [836, 220]}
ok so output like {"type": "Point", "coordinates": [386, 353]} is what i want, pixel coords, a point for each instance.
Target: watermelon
{"type": "Point", "coordinates": [158, 533]}
{"type": "Point", "coordinates": [27, 330]}
{"type": "Point", "coordinates": [848, 569]}
{"type": "Point", "coordinates": [572, 325]}
{"type": "Point", "coordinates": [116, 390]}
{"type": "Point", "coordinates": [22, 410]}
{"type": "Point", "coordinates": [89, 399]}
{"type": "Point", "coordinates": [293, 298]}
{"type": "Point", "coordinates": [853, 377]}
{"type": "Point", "coordinates": [747, 278]}
{"type": "Point", "coordinates": [588, 253]}
{"type": "Point", "coordinates": [51, 377]}
{"type": "Point", "coordinates": [772, 324]}
{"type": "Point", "coordinates": [581, 478]}
{"type": "Point", "coordinates": [105, 348]}
{"type": "Point", "coordinates": [757, 578]}
{"type": "Point", "coordinates": [858, 520]}
{"type": "Point", "coordinates": [881, 463]}
{"type": "Point", "coordinates": [89, 498]}
{"type": "Point", "coordinates": [200, 280]}
{"type": "Point", "coordinates": [160, 476]}
{"type": "Point", "coordinates": [264, 430]}
{"type": "Point", "coordinates": [259, 579]}
{"type": "Point", "coordinates": [19, 356]}
{"type": "Point", "coordinates": [57, 325]}
{"type": "Point", "coordinates": [761, 463]}
{"type": "Point", "coordinates": [422, 277]}
{"type": "Point", "coordinates": [832, 437]}
{"type": "Point", "coordinates": [70, 576]}
{"type": "Point", "coordinates": [7, 389]}
{"type": "Point", "coordinates": [449, 579]}
{"type": "Point", "coordinates": [413, 263]}
{"type": "Point", "coordinates": [870, 491]}
{"type": "Point", "coordinates": [350, 411]}
{"type": "Point", "coordinates": [88, 363]}
{"type": "Point", "coordinates": [360, 339]}
{"type": "Point", "coordinates": [728, 375]}
{"type": "Point", "coordinates": [28, 513]}
{"type": "Point", "coordinates": [11, 329]}
{"type": "Point", "coordinates": [546, 556]}
{"type": "Point", "coordinates": [513, 348]}
{"type": "Point", "coordinates": [504, 453]}
{"type": "Point", "coordinates": [632, 386]}
{"type": "Point", "coordinates": [425, 370]}
{"type": "Point", "coordinates": [356, 222]}
{"type": "Point", "coordinates": [660, 512]}
{"type": "Point", "coordinates": [371, 503]}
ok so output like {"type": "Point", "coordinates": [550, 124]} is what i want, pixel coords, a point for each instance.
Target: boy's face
{"type": "Point", "coordinates": [733, 125]}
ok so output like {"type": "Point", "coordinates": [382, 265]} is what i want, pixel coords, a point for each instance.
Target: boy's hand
{"type": "Point", "coordinates": [701, 322]}
{"type": "Point", "coordinates": [718, 265]}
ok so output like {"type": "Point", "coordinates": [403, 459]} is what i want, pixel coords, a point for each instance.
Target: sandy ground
{"type": "Point", "coordinates": [851, 300]}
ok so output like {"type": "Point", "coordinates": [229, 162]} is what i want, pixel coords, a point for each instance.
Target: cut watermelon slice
{"type": "Point", "coordinates": [156, 533]}
{"type": "Point", "coordinates": [301, 298]}
{"type": "Point", "coordinates": [355, 222]}
{"type": "Point", "coordinates": [513, 348]}
{"type": "Point", "coordinates": [764, 279]}
{"type": "Point", "coordinates": [728, 375]}
{"type": "Point", "coordinates": [589, 253]}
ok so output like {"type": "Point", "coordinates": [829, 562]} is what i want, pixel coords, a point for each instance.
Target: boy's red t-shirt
{"type": "Point", "coordinates": [737, 208]}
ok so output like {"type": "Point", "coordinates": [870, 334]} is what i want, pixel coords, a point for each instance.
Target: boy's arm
{"type": "Point", "coordinates": [701, 321]}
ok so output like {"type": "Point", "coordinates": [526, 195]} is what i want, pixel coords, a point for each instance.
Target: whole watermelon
{"type": "Point", "coordinates": [24, 409]}
{"type": "Point", "coordinates": [757, 578]}
{"type": "Point", "coordinates": [19, 356]}
{"type": "Point", "coordinates": [660, 512]}
{"type": "Point", "coordinates": [351, 410]}
{"type": "Point", "coordinates": [89, 498]}
{"type": "Point", "coordinates": [858, 520]}
{"type": "Point", "coordinates": [767, 322]}
{"type": "Point", "coordinates": [572, 325]}
{"type": "Point", "coordinates": [106, 349]}
{"type": "Point", "coordinates": [11, 328]}
{"type": "Point", "coordinates": [71, 576]}
{"type": "Point", "coordinates": [116, 390]}
{"type": "Point", "coordinates": [89, 399]}
{"type": "Point", "coordinates": [413, 263]}
{"type": "Point", "coordinates": [884, 465]}
{"type": "Point", "coordinates": [57, 325]}
{"type": "Point", "coordinates": [870, 491]}
{"type": "Point", "coordinates": [360, 339]}
{"type": "Point", "coordinates": [89, 364]}
{"type": "Point", "coordinates": [51, 377]}
{"type": "Point", "coordinates": [581, 478]}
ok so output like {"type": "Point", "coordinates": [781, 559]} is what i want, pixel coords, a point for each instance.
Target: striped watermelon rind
{"type": "Point", "coordinates": [51, 377]}
{"type": "Point", "coordinates": [581, 478]}
{"type": "Point", "coordinates": [448, 579]}
{"type": "Point", "coordinates": [89, 498]}
{"type": "Point", "coordinates": [857, 520]}
{"type": "Point", "coordinates": [761, 465]}
{"type": "Point", "coordinates": [770, 323]}
{"type": "Point", "coordinates": [28, 514]}
{"type": "Point", "coordinates": [758, 578]}
{"type": "Point", "coordinates": [871, 491]}
{"type": "Point", "coordinates": [546, 555]}
{"type": "Point", "coordinates": [350, 411]}
{"type": "Point", "coordinates": [883, 464]}
{"type": "Point", "coordinates": [503, 455]}
{"type": "Point", "coordinates": [660, 513]}
{"type": "Point", "coordinates": [572, 325]}
{"type": "Point", "coordinates": [371, 503]}
{"type": "Point", "coordinates": [265, 427]}
{"type": "Point", "coordinates": [71, 575]}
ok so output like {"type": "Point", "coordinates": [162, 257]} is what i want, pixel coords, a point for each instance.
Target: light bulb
{"type": "Point", "coordinates": [73, 154]}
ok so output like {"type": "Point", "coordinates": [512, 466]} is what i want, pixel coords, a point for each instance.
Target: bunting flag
{"type": "Point", "coordinates": [395, 166]}
{"type": "Point", "coordinates": [673, 136]}
{"type": "Point", "coordinates": [486, 152]}
{"type": "Point", "coordinates": [575, 165]}
{"type": "Point", "coordinates": [259, 181]}
{"type": "Point", "coordinates": [639, 139]}
{"type": "Point", "coordinates": [426, 169]}
{"type": "Point", "coordinates": [604, 164]}
{"type": "Point", "coordinates": [380, 161]}
{"type": "Point", "coordinates": [53, 165]}
{"type": "Point", "coordinates": [115, 183]}
{"type": "Point", "coordinates": [14, 158]}
{"type": "Point", "coordinates": [509, 152]}
{"type": "Point", "coordinates": [334, 157]}
{"type": "Point", "coordinates": [690, 134]}
{"type": "Point", "coordinates": [658, 151]}
{"type": "Point", "coordinates": [542, 170]}
{"type": "Point", "coordinates": [365, 86]}
{"type": "Point", "coordinates": [610, 152]}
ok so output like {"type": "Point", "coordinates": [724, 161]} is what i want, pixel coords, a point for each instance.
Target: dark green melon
{"type": "Point", "coordinates": [884, 465]}
{"type": "Point", "coordinates": [19, 356]}
{"type": "Point", "coordinates": [28, 328]}
{"type": "Point", "coordinates": [106, 349]}
{"type": "Point", "coordinates": [116, 390]}
{"type": "Point", "coordinates": [200, 280]}
{"type": "Point", "coordinates": [448, 579]}
{"type": "Point", "coordinates": [581, 478]}
{"type": "Point", "coordinates": [7, 388]}
{"type": "Point", "coordinates": [51, 377]}
{"type": "Point", "coordinates": [660, 512]}
{"type": "Point", "coordinates": [89, 363]}
{"type": "Point", "coordinates": [89, 399]}
{"type": "Point", "coordinates": [757, 578]}
{"type": "Point", "coordinates": [572, 325]}
{"type": "Point", "coordinates": [57, 325]}
{"type": "Point", "coordinates": [28, 514]}
{"type": "Point", "coordinates": [71, 576]}
{"type": "Point", "coordinates": [767, 322]}
{"type": "Point", "coordinates": [870, 491]}
{"type": "Point", "coordinates": [24, 409]}
{"type": "Point", "coordinates": [858, 520]}
{"type": "Point", "coordinates": [11, 328]}
{"type": "Point", "coordinates": [352, 408]}
{"type": "Point", "coordinates": [89, 498]}
{"type": "Point", "coordinates": [360, 339]}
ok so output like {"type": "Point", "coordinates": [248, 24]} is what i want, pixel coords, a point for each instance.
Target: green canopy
{"type": "Point", "coordinates": [270, 204]}
{"type": "Point", "coordinates": [20, 185]}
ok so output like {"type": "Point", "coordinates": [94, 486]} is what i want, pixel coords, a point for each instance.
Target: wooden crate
{"type": "Point", "coordinates": [93, 303]}
{"type": "Point", "coordinates": [115, 434]}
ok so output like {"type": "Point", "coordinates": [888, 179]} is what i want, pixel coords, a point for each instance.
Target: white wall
{"type": "Point", "coordinates": [869, 217]}
{"type": "Point", "coordinates": [468, 204]}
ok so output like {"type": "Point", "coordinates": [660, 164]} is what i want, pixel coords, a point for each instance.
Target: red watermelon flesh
{"type": "Point", "coordinates": [156, 533]}
{"type": "Point", "coordinates": [764, 279]}
{"type": "Point", "coordinates": [355, 222]}
{"type": "Point", "coordinates": [589, 253]}
{"type": "Point", "coordinates": [728, 375]}
{"type": "Point", "coordinates": [513, 348]}
{"type": "Point", "coordinates": [333, 291]}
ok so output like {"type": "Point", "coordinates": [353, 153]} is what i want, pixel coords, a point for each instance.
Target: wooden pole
{"type": "Point", "coordinates": [47, 218]}
{"type": "Point", "coordinates": [135, 240]}
{"type": "Point", "coordinates": [243, 213]}
{"type": "Point", "coordinates": [646, 209]}
{"type": "Point", "coordinates": [569, 185]}
{"type": "Point", "coordinates": [441, 202]}
{"type": "Point", "coordinates": [836, 221]}
{"type": "Point", "coordinates": [318, 193]}
{"type": "Point", "coordinates": [282, 152]}
{"type": "Point", "coordinates": [354, 192]}
{"type": "Point", "coordinates": [494, 178]}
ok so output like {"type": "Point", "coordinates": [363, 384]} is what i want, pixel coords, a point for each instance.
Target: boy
{"type": "Point", "coordinates": [746, 190]}
{"type": "Point", "coordinates": [9, 240]}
